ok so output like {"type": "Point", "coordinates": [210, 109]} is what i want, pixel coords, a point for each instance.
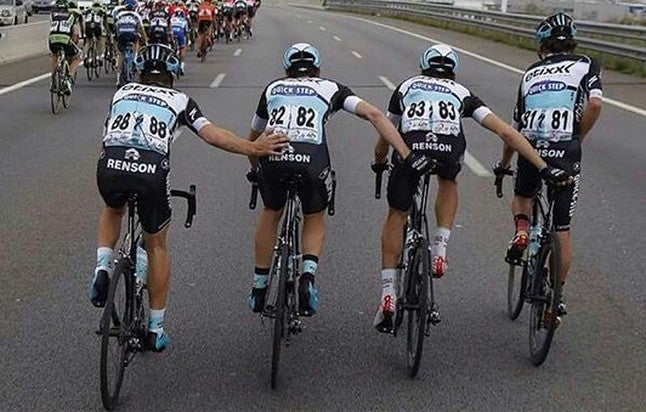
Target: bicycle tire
{"type": "Point", "coordinates": [114, 328]}
{"type": "Point", "coordinates": [539, 340]}
{"type": "Point", "coordinates": [279, 319]}
{"type": "Point", "coordinates": [516, 286]}
{"type": "Point", "coordinates": [95, 59]}
{"type": "Point", "coordinates": [66, 75]}
{"type": "Point", "coordinates": [55, 96]}
{"type": "Point", "coordinates": [417, 295]}
{"type": "Point", "coordinates": [89, 69]}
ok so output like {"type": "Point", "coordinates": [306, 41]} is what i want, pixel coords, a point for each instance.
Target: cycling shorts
{"type": "Point", "coordinates": [124, 38]}
{"type": "Point", "coordinates": [204, 25]}
{"type": "Point", "coordinates": [565, 156]}
{"type": "Point", "coordinates": [93, 31]}
{"type": "Point", "coordinates": [448, 151]}
{"type": "Point", "coordinates": [180, 38]}
{"type": "Point", "coordinates": [118, 175]}
{"type": "Point", "coordinates": [71, 50]}
{"type": "Point", "coordinates": [159, 37]}
{"type": "Point", "coordinates": [314, 189]}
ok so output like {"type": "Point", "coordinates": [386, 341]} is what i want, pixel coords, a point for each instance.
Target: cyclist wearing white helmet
{"type": "Point", "coordinates": [427, 109]}
{"type": "Point", "coordinates": [559, 101]}
{"type": "Point", "coordinates": [300, 105]}
{"type": "Point", "coordinates": [139, 130]}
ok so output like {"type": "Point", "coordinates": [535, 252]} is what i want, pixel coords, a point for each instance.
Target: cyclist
{"type": "Point", "coordinates": [130, 29]}
{"type": "Point", "coordinates": [251, 13]}
{"type": "Point", "coordinates": [299, 105]}
{"type": "Point", "coordinates": [62, 32]}
{"type": "Point", "coordinates": [559, 101]}
{"type": "Point", "coordinates": [160, 30]}
{"type": "Point", "coordinates": [427, 109]}
{"type": "Point", "coordinates": [135, 159]}
{"type": "Point", "coordinates": [96, 26]}
{"type": "Point", "coordinates": [180, 25]}
{"type": "Point", "coordinates": [239, 15]}
{"type": "Point", "coordinates": [227, 12]}
{"type": "Point", "coordinates": [205, 21]}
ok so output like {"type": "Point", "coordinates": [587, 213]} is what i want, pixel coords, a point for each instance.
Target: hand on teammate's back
{"type": "Point", "coordinates": [420, 164]}
{"type": "Point", "coordinates": [270, 143]}
{"type": "Point", "coordinates": [555, 176]}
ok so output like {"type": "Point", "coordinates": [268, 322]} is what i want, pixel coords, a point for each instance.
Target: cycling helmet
{"type": "Point", "coordinates": [179, 13]}
{"type": "Point", "coordinates": [61, 5]}
{"type": "Point", "coordinates": [130, 4]}
{"type": "Point", "coordinates": [157, 58]}
{"type": "Point", "coordinates": [440, 58]}
{"type": "Point", "coordinates": [302, 56]}
{"type": "Point", "coordinates": [558, 26]}
{"type": "Point", "coordinates": [71, 5]}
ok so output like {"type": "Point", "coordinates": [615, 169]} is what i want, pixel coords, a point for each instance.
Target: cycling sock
{"type": "Point", "coordinates": [260, 277]}
{"type": "Point", "coordinates": [310, 264]}
{"type": "Point", "coordinates": [156, 320]}
{"type": "Point", "coordinates": [440, 240]}
{"type": "Point", "coordinates": [388, 281]}
{"type": "Point", "coordinates": [104, 259]}
{"type": "Point", "coordinates": [521, 222]}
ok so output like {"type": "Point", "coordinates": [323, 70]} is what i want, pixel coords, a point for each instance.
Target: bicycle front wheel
{"type": "Point", "coordinates": [280, 306]}
{"type": "Point", "coordinates": [89, 68]}
{"type": "Point", "coordinates": [516, 286]}
{"type": "Point", "coordinates": [115, 332]}
{"type": "Point", "coordinates": [417, 304]}
{"type": "Point", "coordinates": [546, 292]}
{"type": "Point", "coordinates": [55, 91]}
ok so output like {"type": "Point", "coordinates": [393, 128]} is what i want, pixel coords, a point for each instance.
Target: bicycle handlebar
{"type": "Point", "coordinates": [499, 177]}
{"type": "Point", "coordinates": [192, 204]}
{"type": "Point", "coordinates": [254, 196]}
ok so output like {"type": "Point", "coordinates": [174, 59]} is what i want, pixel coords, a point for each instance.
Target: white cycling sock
{"type": "Point", "coordinates": [156, 320]}
{"type": "Point", "coordinates": [104, 259]}
{"type": "Point", "coordinates": [440, 241]}
{"type": "Point", "coordinates": [388, 281]}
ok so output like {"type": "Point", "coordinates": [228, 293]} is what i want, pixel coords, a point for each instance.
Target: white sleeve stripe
{"type": "Point", "coordinates": [596, 93]}
{"type": "Point", "coordinates": [480, 113]}
{"type": "Point", "coordinates": [200, 122]}
{"type": "Point", "coordinates": [350, 104]}
{"type": "Point", "coordinates": [258, 124]}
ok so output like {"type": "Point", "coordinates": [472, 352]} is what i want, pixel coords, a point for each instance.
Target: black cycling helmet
{"type": "Point", "coordinates": [559, 26]}
{"type": "Point", "coordinates": [157, 59]}
{"type": "Point", "coordinates": [61, 5]}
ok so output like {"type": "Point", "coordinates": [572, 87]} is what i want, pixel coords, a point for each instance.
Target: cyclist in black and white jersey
{"type": "Point", "coordinates": [559, 101]}
{"type": "Point", "coordinates": [299, 106]}
{"type": "Point", "coordinates": [428, 109]}
{"type": "Point", "coordinates": [138, 133]}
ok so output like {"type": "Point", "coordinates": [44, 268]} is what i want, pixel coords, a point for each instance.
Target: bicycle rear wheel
{"type": "Point", "coordinates": [66, 77]}
{"type": "Point", "coordinates": [280, 326]}
{"type": "Point", "coordinates": [516, 286]}
{"type": "Point", "coordinates": [417, 302]}
{"type": "Point", "coordinates": [89, 68]}
{"type": "Point", "coordinates": [55, 91]}
{"type": "Point", "coordinates": [115, 332]}
{"type": "Point", "coordinates": [546, 293]}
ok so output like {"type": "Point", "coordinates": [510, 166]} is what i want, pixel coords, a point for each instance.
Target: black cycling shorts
{"type": "Point", "coordinates": [93, 31]}
{"type": "Point", "coordinates": [123, 171]}
{"type": "Point", "coordinates": [565, 156]}
{"type": "Point", "coordinates": [447, 150]}
{"type": "Point", "coordinates": [71, 50]}
{"type": "Point", "coordinates": [158, 37]}
{"type": "Point", "coordinates": [313, 165]}
{"type": "Point", "coordinates": [204, 26]}
{"type": "Point", "coordinates": [124, 38]}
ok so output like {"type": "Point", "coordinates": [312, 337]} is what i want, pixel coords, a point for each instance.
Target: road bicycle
{"type": "Point", "coordinates": [60, 88]}
{"type": "Point", "coordinates": [92, 68]}
{"type": "Point", "coordinates": [128, 65]}
{"type": "Point", "coordinates": [124, 324]}
{"type": "Point", "coordinates": [109, 60]}
{"type": "Point", "coordinates": [413, 282]}
{"type": "Point", "coordinates": [281, 301]}
{"type": "Point", "coordinates": [535, 276]}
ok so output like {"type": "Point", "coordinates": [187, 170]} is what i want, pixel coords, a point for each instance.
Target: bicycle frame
{"type": "Point", "coordinates": [541, 225]}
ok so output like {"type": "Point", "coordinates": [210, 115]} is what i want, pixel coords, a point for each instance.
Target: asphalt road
{"type": "Point", "coordinates": [476, 358]}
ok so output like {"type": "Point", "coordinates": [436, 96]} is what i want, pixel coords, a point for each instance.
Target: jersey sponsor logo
{"type": "Point", "coordinates": [550, 152]}
{"type": "Point", "coordinates": [134, 167]}
{"type": "Point", "coordinates": [289, 155]}
{"type": "Point", "coordinates": [132, 154]}
{"type": "Point", "coordinates": [146, 99]}
{"type": "Point", "coordinates": [284, 90]}
{"type": "Point", "coordinates": [434, 146]}
{"type": "Point", "coordinates": [547, 86]}
{"type": "Point", "coordinates": [431, 87]}
{"type": "Point", "coordinates": [542, 71]}
{"type": "Point", "coordinates": [150, 89]}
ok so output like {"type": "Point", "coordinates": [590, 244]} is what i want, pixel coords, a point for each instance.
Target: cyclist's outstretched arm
{"type": "Point", "coordinates": [381, 150]}
{"type": "Point", "coordinates": [384, 126]}
{"type": "Point", "coordinates": [513, 140]}
{"type": "Point", "coordinates": [266, 144]}
{"type": "Point", "coordinates": [590, 116]}
{"type": "Point", "coordinates": [253, 136]}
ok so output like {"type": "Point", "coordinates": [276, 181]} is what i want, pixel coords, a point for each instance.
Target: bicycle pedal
{"type": "Point", "coordinates": [434, 317]}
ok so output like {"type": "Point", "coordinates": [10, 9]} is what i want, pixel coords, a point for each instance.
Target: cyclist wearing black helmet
{"type": "Point", "coordinates": [300, 105]}
{"type": "Point", "coordinates": [138, 132]}
{"type": "Point", "coordinates": [427, 109]}
{"type": "Point", "coordinates": [559, 101]}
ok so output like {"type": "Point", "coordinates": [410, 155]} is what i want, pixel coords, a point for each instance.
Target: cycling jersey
{"type": "Point", "coordinates": [94, 19]}
{"type": "Point", "coordinates": [206, 12]}
{"type": "Point", "coordinates": [128, 22]}
{"type": "Point", "coordinates": [300, 108]}
{"type": "Point", "coordinates": [428, 112]}
{"type": "Point", "coordinates": [60, 33]}
{"type": "Point", "coordinates": [179, 26]}
{"type": "Point", "coordinates": [159, 27]}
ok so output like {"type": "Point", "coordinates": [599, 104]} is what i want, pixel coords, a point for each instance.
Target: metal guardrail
{"type": "Point", "coordinates": [612, 37]}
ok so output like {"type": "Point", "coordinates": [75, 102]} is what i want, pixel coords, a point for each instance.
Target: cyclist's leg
{"type": "Point", "coordinates": [100, 43]}
{"type": "Point", "coordinates": [526, 184]}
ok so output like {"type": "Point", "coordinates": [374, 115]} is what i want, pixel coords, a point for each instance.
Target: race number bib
{"type": "Point", "coordinates": [136, 129]}
{"type": "Point", "coordinates": [548, 124]}
{"type": "Point", "coordinates": [300, 123]}
{"type": "Point", "coordinates": [437, 116]}
{"type": "Point", "coordinates": [60, 26]}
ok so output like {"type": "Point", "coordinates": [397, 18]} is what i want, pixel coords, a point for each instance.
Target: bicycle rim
{"type": "Point", "coordinates": [64, 97]}
{"type": "Point", "coordinates": [418, 296]}
{"type": "Point", "coordinates": [55, 97]}
{"type": "Point", "coordinates": [279, 319]}
{"type": "Point", "coordinates": [95, 59]}
{"type": "Point", "coordinates": [543, 319]}
{"type": "Point", "coordinates": [516, 285]}
{"type": "Point", "coordinates": [89, 70]}
{"type": "Point", "coordinates": [115, 325]}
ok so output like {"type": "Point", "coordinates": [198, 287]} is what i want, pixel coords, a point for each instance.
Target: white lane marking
{"type": "Point", "coordinates": [237, 52]}
{"type": "Point", "coordinates": [24, 83]}
{"type": "Point", "coordinates": [357, 55]}
{"type": "Point", "coordinates": [337, 38]}
{"type": "Point", "coordinates": [613, 102]}
{"type": "Point", "coordinates": [218, 80]}
{"type": "Point", "coordinates": [310, 21]}
{"type": "Point", "coordinates": [322, 28]}
{"type": "Point", "coordinates": [387, 82]}
{"type": "Point", "coordinates": [472, 163]}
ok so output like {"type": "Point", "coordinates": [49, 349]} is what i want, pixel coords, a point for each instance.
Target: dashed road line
{"type": "Point", "coordinates": [357, 55]}
{"type": "Point", "coordinates": [387, 82]}
{"type": "Point", "coordinates": [322, 28]}
{"type": "Point", "coordinates": [237, 52]}
{"type": "Point", "coordinates": [337, 38]}
{"type": "Point", "coordinates": [218, 80]}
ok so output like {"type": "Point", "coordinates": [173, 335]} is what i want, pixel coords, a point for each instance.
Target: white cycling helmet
{"type": "Point", "coordinates": [302, 56]}
{"type": "Point", "coordinates": [440, 58]}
